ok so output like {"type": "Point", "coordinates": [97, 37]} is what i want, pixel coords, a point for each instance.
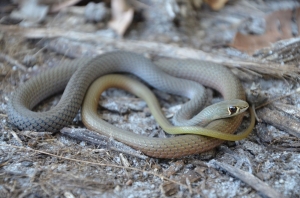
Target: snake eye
{"type": "Point", "coordinates": [232, 110]}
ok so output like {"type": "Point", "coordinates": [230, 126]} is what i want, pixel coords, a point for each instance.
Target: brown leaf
{"type": "Point", "coordinates": [216, 4]}
{"type": "Point", "coordinates": [278, 27]}
{"type": "Point", "coordinates": [169, 188]}
{"type": "Point", "coordinates": [122, 15]}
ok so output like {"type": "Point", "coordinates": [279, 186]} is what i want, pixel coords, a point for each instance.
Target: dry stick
{"type": "Point", "coordinates": [98, 139]}
{"type": "Point", "coordinates": [168, 50]}
{"type": "Point", "coordinates": [16, 136]}
{"type": "Point", "coordinates": [276, 119]}
{"type": "Point", "coordinates": [99, 164]}
{"type": "Point", "coordinates": [188, 183]}
{"type": "Point", "coordinates": [249, 179]}
{"type": "Point", "coordinates": [278, 98]}
{"type": "Point", "coordinates": [62, 5]}
{"type": "Point", "coordinates": [12, 61]}
{"type": "Point", "coordinates": [75, 49]}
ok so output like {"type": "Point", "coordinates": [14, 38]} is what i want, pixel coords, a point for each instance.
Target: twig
{"type": "Point", "coordinates": [12, 61]}
{"type": "Point", "coordinates": [278, 98]}
{"type": "Point", "coordinates": [80, 49]}
{"type": "Point", "coordinates": [188, 183]}
{"type": "Point", "coordinates": [62, 5]}
{"type": "Point", "coordinates": [36, 134]}
{"type": "Point", "coordinates": [98, 139]}
{"type": "Point", "coordinates": [167, 50]}
{"type": "Point", "coordinates": [285, 123]}
{"type": "Point", "coordinates": [287, 108]}
{"type": "Point", "coordinates": [249, 179]}
{"type": "Point", "coordinates": [16, 137]}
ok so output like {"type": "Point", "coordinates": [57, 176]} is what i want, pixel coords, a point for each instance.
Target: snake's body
{"type": "Point", "coordinates": [76, 78]}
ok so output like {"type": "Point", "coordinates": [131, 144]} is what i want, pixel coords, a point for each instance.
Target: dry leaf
{"type": "Point", "coordinates": [278, 27]}
{"type": "Point", "coordinates": [122, 15]}
{"type": "Point", "coordinates": [169, 188]}
{"type": "Point", "coordinates": [216, 4]}
{"type": "Point", "coordinates": [197, 3]}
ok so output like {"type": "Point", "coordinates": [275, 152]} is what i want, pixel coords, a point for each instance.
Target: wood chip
{"type": "Point", "coordinates": [122, 16]}
{"type": "Point", "coordinates": [280, 121]}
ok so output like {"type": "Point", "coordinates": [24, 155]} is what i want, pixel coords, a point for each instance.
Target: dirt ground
{"type": "Point", "coordinates": [241, 36]}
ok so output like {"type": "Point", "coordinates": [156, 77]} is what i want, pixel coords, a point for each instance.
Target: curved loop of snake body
{"type": "Point", "coordinates": [77, 77]}
{"type": "Point", "coordinates": [91, 120]}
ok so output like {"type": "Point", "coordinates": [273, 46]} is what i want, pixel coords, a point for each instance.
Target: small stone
{"type": "Point", "coordinates": [281, 181]}
{"type": "Point", "coordinates": [117, 188]}
{"type": "Point", "coordinates": [95, 12]}
{"type": "Point", "coordinates": [129, 182]}
{"type": "Point", "coordinates": [68, 194]}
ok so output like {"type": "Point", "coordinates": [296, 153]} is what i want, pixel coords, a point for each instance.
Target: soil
{"type": "Point", "coordinates": [42, 164]}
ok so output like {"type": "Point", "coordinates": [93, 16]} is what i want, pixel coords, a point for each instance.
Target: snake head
{"type": "Point", "coordinates": [220, 110]}
{"type": "Point", "coordinates": [235, 106]}
{"type": "Point", "coordinates": [227, 108]}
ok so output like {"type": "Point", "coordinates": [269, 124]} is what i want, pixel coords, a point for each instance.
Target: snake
{"type": "Point", "coordinates": [74, 78]}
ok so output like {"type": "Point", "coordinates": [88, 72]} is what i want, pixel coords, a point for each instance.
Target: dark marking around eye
{"type": "Point", "coordinates": [232, 109]}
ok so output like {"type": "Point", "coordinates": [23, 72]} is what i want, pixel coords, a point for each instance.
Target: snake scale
{"type": "Point", "coordinates": [75, 79]}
